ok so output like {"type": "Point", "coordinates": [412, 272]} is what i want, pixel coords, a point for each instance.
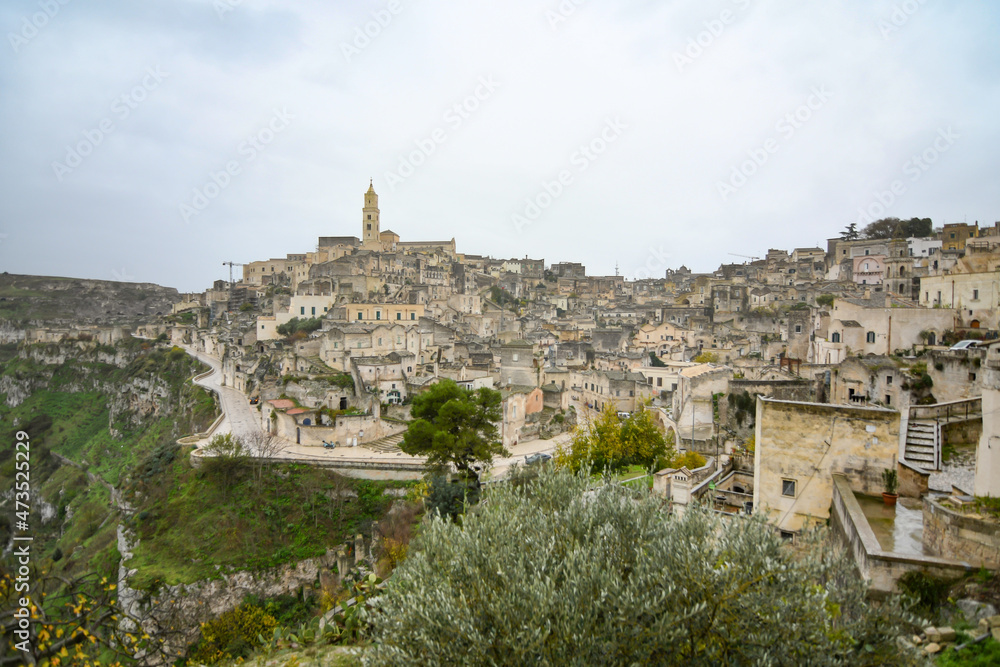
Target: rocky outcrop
{"type": "Point", "coordinates": [173, 614]}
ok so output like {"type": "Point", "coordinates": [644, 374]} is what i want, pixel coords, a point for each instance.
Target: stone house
{"type": "Point", "coordinates": [518, 363]}
{"type": "Point", "coordinates": [871, 380]}
{"type": "Point", "coordinates": [799, 446]}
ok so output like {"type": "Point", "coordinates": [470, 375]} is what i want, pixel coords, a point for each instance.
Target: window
{"type": "Point", "coordinates": [302, 310]}
{"type": "Point", "coordinates": [659, 382]}
{"type": "Point", "coordinates": [378, 314]}
{"type": "Point", "coordinates": [413, 316]}
{"type": "Point", "coordinates": [888, 399]}
{"type": "Point", "coordinates": [314, 310]}
{"type": "Point", "coordinates": [972, 377]}
{"type": "Point", "coordinates": [888, 379]}
{"type": "Point", "coordinates": [975, 295]}
{"type": "Point", "coordinates": [788, 487]}
{"type": "Point", "coordinates": [798, 328]}
{"type": "Point", "coordinates": [359, 316]}
{"type": "Point", "coordinates": [866, 252]}
{"type": "Point", "coordinates": [369, 217]}
{"type": "Point", "coordinates": [399, 316]}
{"type": "Point", "coordinates": [870, 338]}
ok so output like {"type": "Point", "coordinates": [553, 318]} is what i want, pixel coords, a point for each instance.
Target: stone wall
{"type": "Point", "coordinates": [881, 569]}
{"type": "Point", "coordinates": [799, 446]}
{"type": "Point", "coordinates": [952, 534]}
{"type": "Point", "coordinates": [174, 613]}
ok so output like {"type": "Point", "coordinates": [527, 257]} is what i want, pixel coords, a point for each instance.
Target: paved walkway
{"type": "Point", "coordinates": [242, 419]}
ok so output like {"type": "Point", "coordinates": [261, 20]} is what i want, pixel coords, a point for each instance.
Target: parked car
{"type": "Point", "coordinates": [254, 400]}
{"type": "Point", "coordinates": [540, 457]}
{"type": "Point", "coordinates": [965, 345]}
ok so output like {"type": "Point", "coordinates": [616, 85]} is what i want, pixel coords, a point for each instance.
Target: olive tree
{"type": "Point", "coordinates": [551, 572]}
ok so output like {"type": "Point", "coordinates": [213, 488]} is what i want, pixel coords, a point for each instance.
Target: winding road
{"type": "Point", "coordinates": [240, 418]}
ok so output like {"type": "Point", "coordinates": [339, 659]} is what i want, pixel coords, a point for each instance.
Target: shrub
{"type": "Point", "coordinates": [928, 591]}
{"type": "Point", "coordinates": [234, 634]}
{"type": "Point", "coordinates": [552, 572]}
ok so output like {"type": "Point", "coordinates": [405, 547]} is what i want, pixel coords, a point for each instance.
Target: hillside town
{"type": "Point", "coordinates": [804, 379]}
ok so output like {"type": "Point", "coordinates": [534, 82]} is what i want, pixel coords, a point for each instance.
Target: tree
{"type": "Point", "coordinates": [850, 232]}
{"type": "Point", "coordinates": [886, 228]}
{"type": "Point", "coordinates": [74, 621]}
{"type": "Point", "coordinates": [549, 571]}
{"type": "Point", "coordinates": [296, 326]}
{"type": "Point", "coordinates": [707, 358]}
{"type": "Point", "coordinates": [655, 360]}
{"type": "Point", "coordinates": [455, 426]}
{"type": "Point", "coordinates": [918, 227]}
{"type": "Point", "coordinates": [609, 442]}
{"type": "Point", "coordinates": [825, 300]}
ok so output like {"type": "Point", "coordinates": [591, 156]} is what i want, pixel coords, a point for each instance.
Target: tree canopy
{"type": "Point", "coordinates": [455, 426]}
{"type": "Point", "coordinates": [553, 572]}
{"type": "Point", "coordinates": [894, 228]}
{"type": "Point", "coordinates": [295, 325]}
{"type": "Point", "coordinates": [609, 442]}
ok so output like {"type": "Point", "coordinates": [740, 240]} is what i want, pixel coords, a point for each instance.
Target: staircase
{"type": "Point", "coordinates": [387, 445]}
{"type": "Point", "coordinates": [922, 439]}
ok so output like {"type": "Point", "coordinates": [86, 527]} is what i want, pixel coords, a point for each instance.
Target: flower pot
{"type": "Point", "coordinates": [889, 498]}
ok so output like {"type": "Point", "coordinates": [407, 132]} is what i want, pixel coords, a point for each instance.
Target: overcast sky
{"type": "Point", "coordinates": [154, 140]}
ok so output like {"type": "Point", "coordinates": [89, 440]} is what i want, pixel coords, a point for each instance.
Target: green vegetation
{"type": "Point", "coordinates": [233, 514]}
{"type": "Point", "coordinates": [304, 326]}
{"type": "Point", "coordinates": [825, 300]}
{"type": "Point", "coordinates": [656, 361]}
{"type": "Point", "coordinates": [234, 634]}
{"type": "Point", "coordinates": [456, 426]}
{"type": "Point", "coordinates": [707, 358]}
{"type": "Point", "coordinates": [610, 443]}
{"type": "Point", "coordinates": [550, 571]}
{"type": "Point", "coordinates": [983, 654]}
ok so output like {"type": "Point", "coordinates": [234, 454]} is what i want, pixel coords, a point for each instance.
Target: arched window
{"type": "Point", "coordinates": [835, 337]}
{"type": "Point", "coordinates": [870, 337]}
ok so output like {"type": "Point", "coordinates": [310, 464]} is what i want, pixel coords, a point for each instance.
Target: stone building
{"type": "Point", "coordinates": [799, 446]}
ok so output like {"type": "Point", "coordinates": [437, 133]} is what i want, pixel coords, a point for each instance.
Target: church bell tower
{"type": "Point", "coordinates": [369, 220]}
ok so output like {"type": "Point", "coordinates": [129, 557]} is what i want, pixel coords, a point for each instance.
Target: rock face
{"type": "Point", "coordinates": [78, 301]}
{"type": "Point", "coordinates": [174, 613]}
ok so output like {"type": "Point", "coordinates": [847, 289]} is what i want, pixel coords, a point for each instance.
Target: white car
{"type": "Point", "coordinates": [965, 345]}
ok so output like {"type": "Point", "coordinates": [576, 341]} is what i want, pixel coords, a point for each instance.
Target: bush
{"type": "Point", "coordinates": [552, 572]}
{"type": "Point", "coordinates": [234, 634]}
{"type": "Point", "coordinates": [608, 442]}
{"type": "Point", "coordinates": [446, 497]}
{"type": "Point", "coordinates": [928, 591]}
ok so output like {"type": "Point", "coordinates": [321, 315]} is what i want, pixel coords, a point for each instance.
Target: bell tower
{"type": "Point", "coordinates": [369, 220]}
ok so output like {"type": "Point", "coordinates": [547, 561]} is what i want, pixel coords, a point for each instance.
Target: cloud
{"type": "Point", "coordinates": [356, 117]}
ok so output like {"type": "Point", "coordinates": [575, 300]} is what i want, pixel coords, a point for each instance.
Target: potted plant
{"type": "Point", "coordinates": [890, 480]}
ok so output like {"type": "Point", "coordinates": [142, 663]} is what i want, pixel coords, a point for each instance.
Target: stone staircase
{"type": "Point", "coordinates": [387, 445]}
{"type": "Point", "coordinates": [922, 444]}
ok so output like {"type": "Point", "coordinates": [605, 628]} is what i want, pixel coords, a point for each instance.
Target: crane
{"type": "Point", "coordinates": [231, 265]}
{"type": "Point", "coordinates": [734, 254]}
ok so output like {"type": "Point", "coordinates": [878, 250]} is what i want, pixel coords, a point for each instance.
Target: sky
{"type": "Point", "coordinates": [152, 141]}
